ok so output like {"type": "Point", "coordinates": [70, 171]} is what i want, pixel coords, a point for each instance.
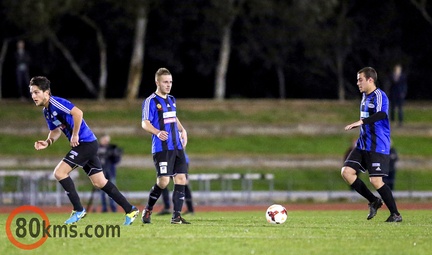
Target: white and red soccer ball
{"type": "Point", "coordinates": [276, 214]}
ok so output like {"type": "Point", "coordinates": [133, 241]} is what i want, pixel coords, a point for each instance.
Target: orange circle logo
{"type": "Point", "coordinates": [11, 237]}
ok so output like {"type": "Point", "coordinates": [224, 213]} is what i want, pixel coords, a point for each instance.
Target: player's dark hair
{"type": "Point", "coordinates": [42, 82]}
{"type": "Point", "coordinates": [369, 72]}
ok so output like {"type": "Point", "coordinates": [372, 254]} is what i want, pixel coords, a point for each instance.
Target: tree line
{"type": "Point", "coordinates": [219, 48]}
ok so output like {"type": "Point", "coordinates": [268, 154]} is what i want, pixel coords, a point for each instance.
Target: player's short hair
{"type": "Point", "coordinates": [42, 82]}
{"type": "Point", "coordinates": [161, 71]}
{"type": "Point", "coordinates": [369, 72]}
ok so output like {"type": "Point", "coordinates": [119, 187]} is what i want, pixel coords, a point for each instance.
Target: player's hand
{"type": "Point", "coordinates": [184, 138]}
{"type": "Point", "coordinates": [74, 141]}
{"type": "Point", "coordinates": [40, 145]}
{"type": "Point", "coordinates": [354, 125]}
{"type": "Point", "coordinates": [163, 135]}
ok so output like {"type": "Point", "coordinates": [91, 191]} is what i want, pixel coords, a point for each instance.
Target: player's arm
{"type": "Point", "coordinates": [375, 117]}
{"type": "Point", "coordinates": [52, 137]}
{"type": "Point", "coordinates": [77, 116]}
{"type": "Point", "coordinates": [369, 120]}
{"type": "Point", "coordinates": [183, 133]}
{"type": "Point", "coordinates": [147, 126]}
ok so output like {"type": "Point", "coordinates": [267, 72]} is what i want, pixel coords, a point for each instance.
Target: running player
{"type": "Point", "coordinates": [372, 151]}
{"type": "Point", "coordinates": [169, 138]}
{"type": "Point", "coordinates": [63, 116]}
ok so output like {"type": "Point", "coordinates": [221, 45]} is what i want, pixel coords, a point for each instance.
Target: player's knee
{"type": "Point", "coordinates": [343, 171]}
{"type": "Point", "coordinates": [59, 176]}
{"type": "Point", "coordinates": [347, 171]}
{"type": "Point", "coordinates": [162, 182]}
{"type": "Point", "coordinates": [98, 185]}
{"type": "Point", "coordinates": [377, 182]}
{"type": "Point", "coordinates": [180, 179]}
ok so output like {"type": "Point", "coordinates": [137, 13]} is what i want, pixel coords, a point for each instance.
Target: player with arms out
{"type": "Point", "coordinates": [63, 116]}
{"type": "Point", "coordinates": [372, 150]}
{"type": "Point", "coordinates": [169, 138]}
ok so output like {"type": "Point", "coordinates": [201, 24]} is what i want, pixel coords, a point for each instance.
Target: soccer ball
{"type": "Point", "coordinates": [276, 214]}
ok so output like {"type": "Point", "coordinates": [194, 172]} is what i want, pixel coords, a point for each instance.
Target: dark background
{"type": "Point", "coordinates": [182, 36]}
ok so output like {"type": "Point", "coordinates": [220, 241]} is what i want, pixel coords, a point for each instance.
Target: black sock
{"type": "Point", "coordinates": [154, 195]}
{"type": "Point", "coordinates": [359, 186]}
{"type": "Point", "coordinates": [387, 196]}
{"type": "Point", "coordinates": [118, 197]}
{"type": "Point", "coordinates": [188, 199]}
{"type": "Point", "coordinates": [166, 198]}
{"type": "Point", "coordinates": [69, 186]}
{"type": "Point", "coordinates": [178, 199]}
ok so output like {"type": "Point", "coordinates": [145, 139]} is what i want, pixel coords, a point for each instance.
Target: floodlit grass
{"type": "Point", "coordinates": [305, 232]}
{"type": "Point", "coordinates": [324, 145]}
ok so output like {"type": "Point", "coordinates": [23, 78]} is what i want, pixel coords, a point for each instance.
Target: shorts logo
{"type": "Point", "coordinates": [377, 165]}
{"type": "Point", "coordinates": [73, 154]}
{"type": "Point", "coordinates": [163, 167]}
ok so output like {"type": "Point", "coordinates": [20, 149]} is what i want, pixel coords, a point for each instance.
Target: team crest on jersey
{"type": "Point", "coordinates": [159, 106]}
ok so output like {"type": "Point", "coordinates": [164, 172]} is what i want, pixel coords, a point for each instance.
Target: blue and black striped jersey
{"type": "Point", "coordinates": [162, 115]}
{"type": "Point", "coordinates": [374, 136]}
{"type": "Point", "coordinates": [58, 115]}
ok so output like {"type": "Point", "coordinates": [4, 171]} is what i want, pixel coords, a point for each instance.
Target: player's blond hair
{"type": "Point", "coordinates": [161, 71]}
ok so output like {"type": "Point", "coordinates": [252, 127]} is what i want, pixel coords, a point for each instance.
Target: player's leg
{"type": "Point", "coordinates": [352, 166]}
{"type": "Point", "coordinates": [166, 202]}
{"type": "Point", "coordinates": [178, 196]}
{"type": "Point", "coordinates": [61, 173]}
{"type": "Point", "coordinates": [103, 201]}
{"type": "Point", "coordinates": [400, 111]}
{"type": "Point", "coordinates": [188, 200]}
{"type": "Point", "coordinates": [349, 174]}
{"type": "Point", "coordinates": [155, 192]}
{"type": "Point", "coordinates": [99, 181]}
{"type": "Point", "coordinates": [164, 169]}
{"type": "Point", "coordinates": [180, 181]}
{"type": "Point", "coordinates": [377, 170]}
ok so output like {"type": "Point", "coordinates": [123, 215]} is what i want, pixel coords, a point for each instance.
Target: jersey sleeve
{"type": "Point", "coordinates": [148, 112]}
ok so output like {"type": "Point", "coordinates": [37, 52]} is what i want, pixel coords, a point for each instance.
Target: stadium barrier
{"type": "Point", "coordinates": [226, 182]}
{"type": "Point", "coordinates": [39, 188]}
{"type": "Point", "coordinates": [31, 187]}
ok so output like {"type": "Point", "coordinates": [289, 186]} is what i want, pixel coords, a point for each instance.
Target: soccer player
{"type": "Point", "coordinates": [63, 116]}
{"type": "Point", "coordinates": [372, 151]}
{"type": "Point", "coordinates": [169, 138]}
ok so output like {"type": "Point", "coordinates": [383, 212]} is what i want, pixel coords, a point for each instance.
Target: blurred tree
{"type": "Point", "coordinates": [4, 48]}
{"type": "Point", "coordinates": [226, 11]}
{"type": "Point", "coordinates": [331, 41]}
{"type": "Point", "coordinates": [276, 31]}
{"type": "Point", "coordinates": [41, 20]}
{"type": "Point", "coordinates": [140, 9]}
{"type": "Point", "coordinates": [44, 20]}
{"type": "Point", "coordinates": [8, 32]}
{"type": "Point", "coordinates": [421, 5]}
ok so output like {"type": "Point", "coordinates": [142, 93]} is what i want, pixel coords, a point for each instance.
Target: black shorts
{"type": "Point", "coordinates": [85, 156]}
{"type": "Point", "coordinates": [375, 163]}
{"type": "Point", "coordinates": [170, 163]}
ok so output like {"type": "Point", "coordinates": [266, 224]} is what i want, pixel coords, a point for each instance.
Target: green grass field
{"type": "Point", "coordinates": [305, 232]}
